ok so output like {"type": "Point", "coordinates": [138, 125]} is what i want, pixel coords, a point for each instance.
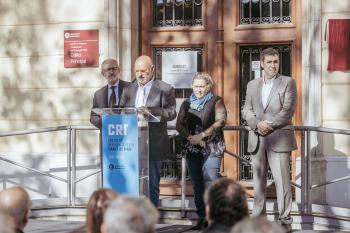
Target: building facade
{"type": "Point", "coordinates": [228, 35]}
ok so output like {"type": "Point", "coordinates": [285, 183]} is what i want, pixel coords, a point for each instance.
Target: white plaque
{"type": "Point", "coordinates": [255, 65]}
{"type": "Point", "coordinates": [178, 67]}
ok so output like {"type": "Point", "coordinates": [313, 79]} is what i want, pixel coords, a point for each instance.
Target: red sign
{"type": "Point", "coordinates": [81, 48]}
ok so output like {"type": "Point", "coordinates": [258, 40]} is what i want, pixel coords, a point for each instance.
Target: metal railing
{"type": "Point", "coordinates": [71, 179]}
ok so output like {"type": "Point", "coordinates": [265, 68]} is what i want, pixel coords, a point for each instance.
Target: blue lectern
{"type": "Point", "coordinates": [125, 150]}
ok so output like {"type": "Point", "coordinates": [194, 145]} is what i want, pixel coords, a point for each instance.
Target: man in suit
{"type": "Point", "coordinates": [269, 107]}
{"type": "Point", "coordinates": [16, 203]}
{"type": "Point", "coordinates": [158, 98]}
{"type": "Point", "coordinates": [109, 95]}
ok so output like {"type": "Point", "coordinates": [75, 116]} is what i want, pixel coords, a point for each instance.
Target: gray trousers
{"type": "Point", "coordinates": [279, 164]}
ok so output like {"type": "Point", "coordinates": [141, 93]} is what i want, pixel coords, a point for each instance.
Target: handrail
{"type": "Point", "coordinates": [72, 180]}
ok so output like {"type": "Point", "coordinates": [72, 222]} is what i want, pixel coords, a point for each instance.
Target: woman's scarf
{"type": "Point", "coordinates": [198, 104]}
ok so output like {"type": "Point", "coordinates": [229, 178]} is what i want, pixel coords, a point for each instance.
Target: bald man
{"type": "Point", "coordinates": [109, 95]}
{"type": "Point", "coordinates": [158, 98]}
{"type": "Point", "coordinates": [16, 203]}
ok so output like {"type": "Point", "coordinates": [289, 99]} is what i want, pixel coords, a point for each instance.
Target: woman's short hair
{"type": "Point", "coordinates": [204, 76]}
{"type": "Point", "coordinates": [97, 205]}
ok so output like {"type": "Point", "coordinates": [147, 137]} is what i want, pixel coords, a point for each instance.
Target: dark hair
{"type": "Point", "coordinates": [98, 203]}
{"type": "Point", "coordinates": [268, 52]}
{"type": "Point", "coordinates": [227, 202]}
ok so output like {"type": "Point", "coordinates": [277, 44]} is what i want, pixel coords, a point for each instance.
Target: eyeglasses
{"type": "Point", "coordinates": [112, 69]}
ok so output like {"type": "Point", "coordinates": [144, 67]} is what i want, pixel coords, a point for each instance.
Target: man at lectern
{"type": "Point", "coordinates": [158, 98]}
{"type": "Point", "coordinates": [109, 95]}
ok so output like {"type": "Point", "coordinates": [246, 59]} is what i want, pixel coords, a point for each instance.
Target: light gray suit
{"type": "Point", "coordinates": [274, 148]}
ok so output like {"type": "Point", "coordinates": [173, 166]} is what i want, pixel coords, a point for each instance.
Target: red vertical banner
{"type": "Point", "coordinates": [338, 44]}
{"type": "Point", "coordinates": [81, 48]}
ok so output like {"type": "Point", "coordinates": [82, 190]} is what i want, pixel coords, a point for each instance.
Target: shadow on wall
{"type": "Point", "coordinates": [327, 163]}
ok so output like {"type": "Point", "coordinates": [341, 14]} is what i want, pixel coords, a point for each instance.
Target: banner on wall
{"type": "Point", "coordinates": [81, 48]}
{"type": "Point", "coordinates": [178, 67]}
{"type": "Point", "coordinates": [120, 162]}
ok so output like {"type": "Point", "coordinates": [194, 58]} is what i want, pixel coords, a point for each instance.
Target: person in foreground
{"type": "Point", "coordinates": [269, 107]}
{"type": "Point", "coordinates": [158, 98]}
{"type": "Point", "coordinates": [226, 204]}
{"type": "Point", "coordinates": [109, 95]}
{"type": "Point", "coordinates": [200, 122]}
{"type": "Point", "coordinates": [257, 225]}
{"type": "Point", "coordinates": [6, 223]}
{"type": "Point", "coordinates": [97, 205]}
{"type": "Point", "coordinates": [130, 215]}
{"type": "Point", "coordinates": [16, 203]}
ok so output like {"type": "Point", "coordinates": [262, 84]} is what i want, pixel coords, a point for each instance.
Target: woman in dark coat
{"type": "Point", "coordinates": [200, 122]}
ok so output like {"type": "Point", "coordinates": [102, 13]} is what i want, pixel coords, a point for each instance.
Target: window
{"type": "Point", "coordinates": [170, 13]}
{"type": "Point", "coordinates": [265, 11]}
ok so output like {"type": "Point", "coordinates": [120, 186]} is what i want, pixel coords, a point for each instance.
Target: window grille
{"type": "Point", "coordinates": [265, 11]}
{"type": "Point", "coordinates": [171, 13]}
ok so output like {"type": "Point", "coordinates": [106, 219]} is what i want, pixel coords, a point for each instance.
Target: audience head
{"type": "Point", "coordinates": [96, 208]}
{"type": "Point", "coordinates": [257, 225]}
{"type": "Point", "coordinates": [130, 215]}
{"type": "Point", "coordinates": [6, 224]}
{"type": "Point", "coordinates": [201, 84]}
{"type": "Point", "coordinates": [144, 69]}
{"type": "Point", "coordinates": [226, 202]}
{"type": "Point", "coordinates": [110, 70]}
{"type": "Point", "coordinates": [15, 202]}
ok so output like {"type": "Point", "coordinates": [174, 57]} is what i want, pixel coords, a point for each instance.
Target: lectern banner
{"type": "Point", "coordinates": [120, 162]}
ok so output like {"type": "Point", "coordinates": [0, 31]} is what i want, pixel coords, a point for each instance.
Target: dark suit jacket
{"type": "Point", "coordinates": [101, 101]}
{"type": "Point", "coordinates": [217, 228]}
{"type": "Point", "coordinates": [281, 105]}
{"type": "Point", "coordinates": [161, 103]}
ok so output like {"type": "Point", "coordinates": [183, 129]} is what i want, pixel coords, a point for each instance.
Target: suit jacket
{"type": "Point", "coordinates": [160, 102]}
{"type": "Point", "coordinates": [280, 107]}
{"type": "Point", "coordinates": [217, 228]}
{"type": "Point", "coordinates": [101, 101]}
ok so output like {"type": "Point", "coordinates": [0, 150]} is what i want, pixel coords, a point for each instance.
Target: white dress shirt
{"type": "Point", "coordinates": [142, 94]}
{"type": "Point", "coordinates": [266, 89]}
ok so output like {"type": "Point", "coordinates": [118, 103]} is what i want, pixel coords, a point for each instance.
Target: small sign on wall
{"type": "Point", "coordinates": [178, 67]}
{"type": "Point", "coordinates": [256, 69]}
{"type": "Point", "coordinates": [81, 48]}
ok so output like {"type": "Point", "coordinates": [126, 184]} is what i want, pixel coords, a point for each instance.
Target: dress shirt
{"type": "Point", "coordinates": [142, 94]}
{"type": "Point", "coordinates": [115, 90]}
{"type": "Point", "coordinates": [266, 89]}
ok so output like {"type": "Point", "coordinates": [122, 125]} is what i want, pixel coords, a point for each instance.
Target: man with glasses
{"type": "Point", "coordinates": [109, 95]}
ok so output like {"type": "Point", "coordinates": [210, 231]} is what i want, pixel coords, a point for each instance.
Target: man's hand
{"type": "Point", "coordinates": [196, 140]}
{"type": "Point", "coordinates": [143, 110]}
{"type": "Point", "coordinates": [264, 127]}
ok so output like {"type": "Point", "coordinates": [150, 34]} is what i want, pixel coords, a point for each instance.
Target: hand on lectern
{"type": "Point", "coordinates": [143, 110]}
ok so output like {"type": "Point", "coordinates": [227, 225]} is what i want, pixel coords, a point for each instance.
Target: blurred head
{"type": "Point", "coordinates": [98, 203]}
{"type": "Point", "coordinates": [144, 69]}
{"type": "Point", "coordinates": [110, 70]}
{"type": "Point", "coordinates": [270, 62]}
{"type": "Point", "coordinates": [6, 224]}
{"type": "Point", "coordinates": [257, 225]}
{"type": "Point", "coordinates": [201, 84]}
{"type": "Point", "coordinates": [226, 202]}
{"type": "Point", "coordinates": [130, 215]}
{"type": "Point", "coordinates": [16, 203]}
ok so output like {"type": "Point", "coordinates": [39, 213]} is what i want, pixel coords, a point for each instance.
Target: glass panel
{"type": "Point", "coordinates": [276, 11]}
{"type": "Point", "coordinates": [255, 11]}
{"type": "Point", "coordinates": [169, 13]}
{"type": "Point", "coordinates": [286, 10]}
{"type": "Point", "coordinates": [248, 54]}
{"type": "Point", "coordinates": [265, 11]}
